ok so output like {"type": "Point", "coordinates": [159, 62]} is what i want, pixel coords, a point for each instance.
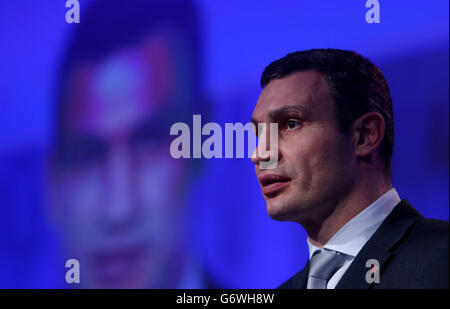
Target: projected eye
{"type": "Point", "coordinates": [82, 151]}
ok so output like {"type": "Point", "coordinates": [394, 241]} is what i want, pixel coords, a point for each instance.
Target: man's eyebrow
{"type": "Point", "coordinates": [151, 127]}
{"type": "Point", "coordinates": [278, 113]}
{"type": "Point", "coordinates": [275, 114]}
{"type": "Point", "coordinates": [75, 142]}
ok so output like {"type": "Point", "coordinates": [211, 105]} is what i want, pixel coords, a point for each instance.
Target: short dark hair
{"type": "Point", "coordinates": [108, 26]}
{"type": "Point", "coordinates": [357, 87]}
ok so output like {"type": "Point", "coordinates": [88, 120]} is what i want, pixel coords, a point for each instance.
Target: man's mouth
{"type": "Point", "coordinates": [116, 268]}
{"type": "Point", "coordinates": [273, 184]}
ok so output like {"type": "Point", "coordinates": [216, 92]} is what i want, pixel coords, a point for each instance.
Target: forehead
{"type": "Point", "coordinates": [307, 90]}
{"type": "Point", "coordinates": [119, 91]}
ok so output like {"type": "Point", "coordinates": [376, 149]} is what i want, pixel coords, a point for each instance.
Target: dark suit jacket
{"type": "Point", "coordinates": [412, 252]}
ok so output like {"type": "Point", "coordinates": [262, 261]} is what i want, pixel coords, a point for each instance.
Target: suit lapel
{"type": "Point", "coordinates": [390, 232]}
{"type": "Point", "coordinates": [355, 276]}
{"type": "Point", "coordinates": [302, 278]}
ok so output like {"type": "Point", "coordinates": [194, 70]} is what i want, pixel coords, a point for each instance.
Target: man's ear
{"type": "Point", "coordinates": [368, 133]}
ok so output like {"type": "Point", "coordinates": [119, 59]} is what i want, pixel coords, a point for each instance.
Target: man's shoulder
{"type": "Point", "coordinates": [406, 224]}
{"type": "Point", "coordinates": [428, 234]}
{"type": "Point", "coordinates": [433, 227]}
{"type": "Point", "coordinates": [420, 259]}
{"type": "Point", "coordinates": [417, 236]}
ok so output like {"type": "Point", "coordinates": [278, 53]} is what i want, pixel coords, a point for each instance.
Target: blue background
{"type": "Point", "coordinates": [232, 235]}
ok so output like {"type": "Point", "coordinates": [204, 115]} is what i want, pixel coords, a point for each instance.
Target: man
{"type": "Point", "coordinates": [335, 143]}
{"type": "Point", "coordinates": [131, 71]}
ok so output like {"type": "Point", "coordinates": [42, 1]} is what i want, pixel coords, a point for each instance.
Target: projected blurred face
{"type": "Point", "coordinates": [118, 187]}
{"type": "Point", "coordinates": [315, 159]}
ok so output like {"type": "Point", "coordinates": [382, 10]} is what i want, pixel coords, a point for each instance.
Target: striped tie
{"type": "Point", "coordinates": [322, 266]}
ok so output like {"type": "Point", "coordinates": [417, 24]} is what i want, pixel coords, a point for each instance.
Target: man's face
{"type": "Point", "coordinates": [315, 159]}
{"type": "Point", "coordinates": [117, 185]}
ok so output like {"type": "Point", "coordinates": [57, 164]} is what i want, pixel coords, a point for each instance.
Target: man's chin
{"type": "Point", "coordinates": [132, 280]}
{"type": "Point", "coordinates": [280, 212]}
{"type": "Point", "coordinates": [121, 268]}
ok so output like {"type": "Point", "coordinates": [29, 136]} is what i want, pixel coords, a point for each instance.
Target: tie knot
{"type": "Point", "coordinates": [323, 264]}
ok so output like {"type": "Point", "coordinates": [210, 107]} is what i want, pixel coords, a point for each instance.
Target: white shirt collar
{"type": "Point", "coordinates": [355, 233]}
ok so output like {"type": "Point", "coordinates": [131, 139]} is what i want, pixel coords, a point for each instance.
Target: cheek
{"type": "Point", "coordinates": [316, 159]}
{"type": "Point", "coordinates": [80, 194]}
{"type": "Point", "coordinates": [330, 162]}
{"type": "Point", "coordinates": [157, 184]}
{"type": "Point", "coordinates": [157, 180]}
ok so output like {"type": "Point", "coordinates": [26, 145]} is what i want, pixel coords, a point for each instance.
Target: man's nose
{"type": "Point", "coordinates": [120, 202]}
{"type": "Point", "coordinates": [257, 158]}
{"type": "Point", "coordinates": [267, 148]}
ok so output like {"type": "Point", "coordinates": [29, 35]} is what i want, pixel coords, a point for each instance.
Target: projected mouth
{"type": "Point", "coordinates": [116, 268]}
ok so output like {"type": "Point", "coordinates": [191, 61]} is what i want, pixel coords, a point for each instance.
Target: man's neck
{"type": "Point", "coordinates": [362, 195]}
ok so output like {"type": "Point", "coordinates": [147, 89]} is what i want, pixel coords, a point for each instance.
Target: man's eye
{"type": "Point", "coordinates": [291, 124]}
{"type": "Point", "coordinates": [78, 156]}
{"type": "Point", "coordinates": [145, 145]}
